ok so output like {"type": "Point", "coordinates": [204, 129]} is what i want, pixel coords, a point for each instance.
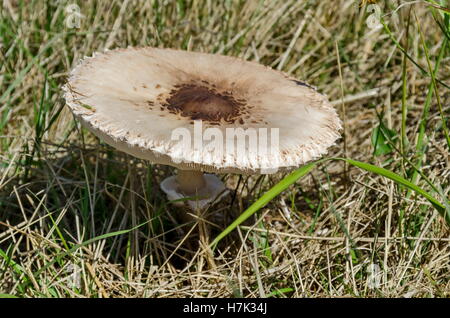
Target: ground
{"type": "Point", "coordinates": [79, 219]}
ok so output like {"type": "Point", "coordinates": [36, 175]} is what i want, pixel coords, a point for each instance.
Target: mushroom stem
{"type": "Point", "coordinates": [190, 182]}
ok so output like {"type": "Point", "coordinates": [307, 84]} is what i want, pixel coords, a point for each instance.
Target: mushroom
{"type": "Point", "coordinates": [200, 113]}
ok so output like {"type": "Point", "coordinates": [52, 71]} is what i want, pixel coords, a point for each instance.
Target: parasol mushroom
{"type": "Point", "coordinates": [200, 113]}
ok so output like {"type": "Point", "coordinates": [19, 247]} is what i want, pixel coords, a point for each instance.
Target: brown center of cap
{"type": "Point", "coordinates": [202, 103]}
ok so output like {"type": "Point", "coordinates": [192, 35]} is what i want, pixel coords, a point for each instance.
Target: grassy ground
{"type": "Point", "coordinates": [78, 219]}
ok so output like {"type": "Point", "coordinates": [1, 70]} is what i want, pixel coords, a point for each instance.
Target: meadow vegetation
{"type": "Point", "coordinates": [80, 219]}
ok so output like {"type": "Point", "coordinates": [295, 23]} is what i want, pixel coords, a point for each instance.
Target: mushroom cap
{"type": "Point", "coordinates": [135, 99]}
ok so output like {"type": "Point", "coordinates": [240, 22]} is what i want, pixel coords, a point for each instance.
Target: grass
{"type": "Point", "coordinates": [79, 219]}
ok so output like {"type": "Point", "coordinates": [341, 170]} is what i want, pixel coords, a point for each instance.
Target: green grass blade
{"type": "Point", "coordinates": [404, 143]}
{"type": "Point", "coordinates": [19, 78]}
{"type": "Point", "coordinates": [266, 198]}
{"type": "Point", "coordinates": [85, 243]}
{"type": "Point", "coordinates": [16, 267]}
{"type": "Point", "coordinates": [281, 292]}
{"type": "Point", "coordinates": [299, 173]}
{"type": "Point", "coordinates": [391, 36]}
{"type": "Point", "coordinates": [400, 180]}
{"type": "Point", "coordinates": [7, 296]}
{"type": "Point", "coordinates": [435, 88]}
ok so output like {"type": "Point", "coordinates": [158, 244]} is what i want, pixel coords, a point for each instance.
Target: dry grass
{"type": "Point", "coordinates": [61, 187]}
